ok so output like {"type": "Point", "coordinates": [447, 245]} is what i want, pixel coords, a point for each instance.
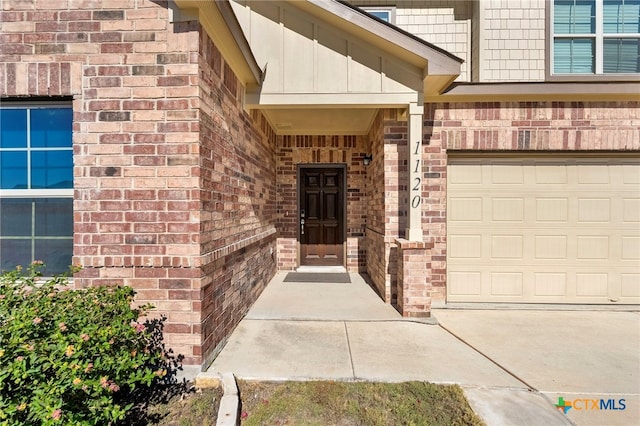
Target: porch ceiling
{"type": "Point", "coordinates": [321, 121]}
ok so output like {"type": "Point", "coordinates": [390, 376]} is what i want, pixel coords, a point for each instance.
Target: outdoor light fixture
{"type": "Point", "coordinates": [367, 159]}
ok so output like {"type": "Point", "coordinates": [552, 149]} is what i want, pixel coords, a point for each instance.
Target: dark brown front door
{"type": "Point", "coordinates": [321, 215]}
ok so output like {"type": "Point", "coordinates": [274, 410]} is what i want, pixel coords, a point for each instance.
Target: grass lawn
{"type": "Point", "coordinates": [353, 403]}
{"type": "Point", "coordinates": [323, 403]}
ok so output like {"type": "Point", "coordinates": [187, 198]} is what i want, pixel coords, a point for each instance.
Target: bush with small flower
{"type": "Point", "coordinates": [74, 356]}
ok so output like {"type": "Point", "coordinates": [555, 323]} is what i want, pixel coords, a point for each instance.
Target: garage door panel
{"type": "Point", "coordinates": [631, 210]}
{"type": "Point", "coordinates": [507, 174]}
{"type": "Point", "coordinates": [631, 248]}
{"type": "Point", "coordinates": [550, 174]}
{"type": "Point", "coordinates": [551, 247]}
{"type": "Point", "coordinates": [592, 247]}
{"type": "Point", "coordinates": [594, 210]}
{"type": "Point", "coordinates": [507, 284]}
{"type": "Point", "coordinates": [630, 285]}
{"type": "Point", "coordinates": [592, 284]}
{"type": "Point", "coordinates": [465, 246]}
{"type": "Point", "coordinates": [465, 283]}
{"type": "Point", "coordinates": [550, 284]}
{"type": "Point", "coordinates": [552, 210]}
{"type": "Point", "coordinates": [508, 209]}
{"type": "Point", "coordinates": [542, 230]}
{"type": "Point", "coordinates": [630, 174]}
{"type": "Point", "coordinates": [466, 209]}
{"type": "Point", "coordinates": [590, 174]}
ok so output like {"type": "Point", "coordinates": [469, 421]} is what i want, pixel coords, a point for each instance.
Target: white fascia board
{"type": "Point", "coordinates": [339, 100]}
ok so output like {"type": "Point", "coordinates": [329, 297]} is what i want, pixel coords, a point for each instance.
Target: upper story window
{"type": "Point", "coordinates": [36, 186]}
{"type": "Point", "coordinates": [387, 14]}
{"type": "Point", "coordinates": [596, 36]}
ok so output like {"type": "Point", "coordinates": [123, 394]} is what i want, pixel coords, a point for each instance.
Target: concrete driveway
{"type": "Point", "coordinates": [582, 356]}
{"type": "Point", "coordinates": [512, 364]}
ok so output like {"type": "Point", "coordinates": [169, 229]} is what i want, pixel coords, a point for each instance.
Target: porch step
{"type": "Point", "coordinates": [321, 269]}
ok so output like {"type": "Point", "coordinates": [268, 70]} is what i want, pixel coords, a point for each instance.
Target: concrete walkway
{"type": "Point", "coordinates": [506, 361]}
{"type": "Point", "coordinates": [580, 355]}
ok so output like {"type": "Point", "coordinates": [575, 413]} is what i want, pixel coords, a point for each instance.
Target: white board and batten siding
{"type": "Point", "coordinates": [303, 54]}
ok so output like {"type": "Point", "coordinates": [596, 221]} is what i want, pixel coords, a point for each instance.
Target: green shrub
{"type": "Point", "coordinates": [72, 356]}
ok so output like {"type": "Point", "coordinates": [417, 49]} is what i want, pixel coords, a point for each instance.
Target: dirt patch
{"type": "Point", "coordinates": [353, 403]}
{"type": "Point", "coordinates": [178, 405]}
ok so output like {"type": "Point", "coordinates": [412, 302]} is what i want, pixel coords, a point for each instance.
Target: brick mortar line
{"type": "Point", "coordinates": [238, 245]}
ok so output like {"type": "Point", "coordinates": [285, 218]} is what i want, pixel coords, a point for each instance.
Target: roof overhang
{"type": "Point", "coordinates": [221, 24]}
{"type": "Point", "coordinates": [540, 91]}
{"type": "Point", "coordinates": [440, 68]}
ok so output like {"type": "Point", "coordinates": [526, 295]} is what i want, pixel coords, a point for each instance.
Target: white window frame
{"type": "Point", "coordinates": [390, 9]}
{"type": "Point", "coordinates": [598, 37]}
{"type": "Point", "coordinates": [29, 193]}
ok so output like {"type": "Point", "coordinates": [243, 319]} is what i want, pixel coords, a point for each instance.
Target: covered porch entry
{"type": "Point", "coordinates": [340, 86]}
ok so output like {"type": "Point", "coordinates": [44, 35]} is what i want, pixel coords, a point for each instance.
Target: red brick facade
{"type": "Point", "coordinates": [188, 198]}
{"type": "Point", "coordinates": [173, 195]}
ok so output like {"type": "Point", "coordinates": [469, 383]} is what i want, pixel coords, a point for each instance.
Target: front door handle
{"type": "Point", "coordinates": [302, 226]}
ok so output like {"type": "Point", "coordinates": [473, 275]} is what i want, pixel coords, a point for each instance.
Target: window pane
{"type": "Point", "coordinates": [54, 217]}
{"type": "Point", "coordinates": [56, 254]}
{"type": "Point", "coordinates": [52, 169]}
{"type": "Point", "coordinates": [14, 253]}
{"type": "Point", "coordinates": [13, 170]}
{"type": "Point", "coordinates": [573, 56]}
{"type": "Point", "coordinates": [51, 127]}
{"type": "Point", "coordinates": [621, 16]}
{"type": "Point", "coordinates": [13, 128]}
{"type": "Point", "coordinates": [574, 16]}
{"type": "Point", "coordinates": [621, 55]}
{"type": "Point", "coordinates": [15, 217]}
{"type": "Point", "coordinates": [382, 14]}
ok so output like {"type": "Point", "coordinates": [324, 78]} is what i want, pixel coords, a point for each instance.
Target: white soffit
{"type": "Point", "coordinates": [321, 121]}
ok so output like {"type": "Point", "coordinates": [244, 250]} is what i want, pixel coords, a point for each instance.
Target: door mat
{"type": "Point", "coordinates": [313, 277]}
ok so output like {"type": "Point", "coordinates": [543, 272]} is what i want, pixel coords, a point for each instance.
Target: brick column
{"type": "Point", "coordinates": [414, 288]}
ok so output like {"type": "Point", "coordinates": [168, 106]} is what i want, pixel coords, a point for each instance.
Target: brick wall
{"type": "Point", "coordinates": [388, 198]}
{"type": "Point", "coordinates": [512, 127]}
{"type": "Point", "coordinates": [238, 201]}
{"type": "Point", "coordinates": [377, 250]}
{"type": "Point", "coordinates": [173, 180]}
{"type": "Point", "coordinates": [316, 149]}
{"type": "Point", "coordinates": [537, 126]}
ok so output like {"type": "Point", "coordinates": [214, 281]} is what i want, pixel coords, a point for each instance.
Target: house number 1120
{"type": "Point", "coordinates": [417, 199]}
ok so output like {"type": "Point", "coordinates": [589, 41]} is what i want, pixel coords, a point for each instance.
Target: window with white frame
{"type": "Point", "coordinates": [596, 37]}
{"type": "Point", "coordinates": [36, 186]}
{"type": "Point", "coordinates": [387, 14]}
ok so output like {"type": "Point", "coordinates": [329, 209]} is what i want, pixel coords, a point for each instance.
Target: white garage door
{"type": "Point", "coordinates": [543, 230]}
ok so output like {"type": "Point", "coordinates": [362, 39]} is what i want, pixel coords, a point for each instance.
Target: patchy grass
{"type": "Point", "coordinates": [178, 405]}
{"type": "Point", "coordinates": [353, 403]}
